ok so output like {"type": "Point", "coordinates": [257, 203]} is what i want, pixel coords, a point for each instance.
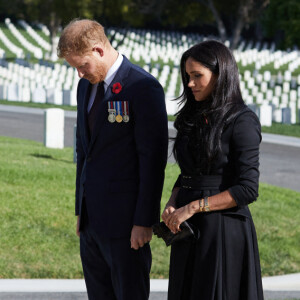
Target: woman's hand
{"type": "Point", "coordinates": [167, 212]}
{"type": "Point", "coordinates": [170, 206]}
{"type": "Point", "coordinates": [178, 216]}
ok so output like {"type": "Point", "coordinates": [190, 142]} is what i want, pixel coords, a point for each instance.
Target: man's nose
{"type": "Point", "coordinates": [80, 73]}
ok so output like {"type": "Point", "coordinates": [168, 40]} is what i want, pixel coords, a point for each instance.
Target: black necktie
{"type": "Point", "coordinates": [92, 116]}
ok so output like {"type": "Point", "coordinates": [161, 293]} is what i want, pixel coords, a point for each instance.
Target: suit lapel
{"type": "Point", "coordinates": [109, 96]}
{"type": "Point", "coordinates": [83, 100]}
{"type": "Point", "coordinates": [85, 114]}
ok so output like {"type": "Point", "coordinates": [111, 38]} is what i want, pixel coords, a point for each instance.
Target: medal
{"type": "Point", "coordinates": [126, 118]}
{"type": "Point", "coordinates": [125, 114]}
{"type": "Point", "coordinates": [111, 112]}
{"type": "Point", "coordinates": [111, 118]}
{"type": "Point", "coordinates": [119, 118]}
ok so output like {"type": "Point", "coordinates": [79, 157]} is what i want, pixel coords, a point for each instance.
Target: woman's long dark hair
{"type": "Point", "coordinates": [210, 115]}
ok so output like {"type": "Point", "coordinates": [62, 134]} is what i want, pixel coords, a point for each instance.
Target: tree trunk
{"type": "Point", "coordinates": [237, 32]}
{"type": "Point", "coordinates": [53, 28]}
{"type": "Point", "coordinates": [220, 24]}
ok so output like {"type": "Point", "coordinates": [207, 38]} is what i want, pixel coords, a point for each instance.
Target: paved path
{"type": "Point", "coordinates": [276, 287]}
{"type": "Point", "coordinates": [280, 159]}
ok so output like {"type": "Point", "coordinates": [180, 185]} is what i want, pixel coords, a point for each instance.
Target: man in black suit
{"type": "Point", "coordinates": [122, 138]}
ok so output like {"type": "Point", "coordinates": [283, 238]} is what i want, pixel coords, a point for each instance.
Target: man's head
{"type": "Point", "coordinates": [84, 45]}
{"type": "Point", "coordinates": [80, 36]}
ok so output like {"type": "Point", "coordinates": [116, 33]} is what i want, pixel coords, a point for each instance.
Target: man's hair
{"type": "Point", "coordinates": [79, 36]}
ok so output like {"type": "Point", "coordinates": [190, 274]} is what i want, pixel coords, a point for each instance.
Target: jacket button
{"type": "Point", "coordinates": [89, 159]}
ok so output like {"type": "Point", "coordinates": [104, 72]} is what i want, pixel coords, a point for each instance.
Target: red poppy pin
{"type": "Point", "coordinates": [116, 88]}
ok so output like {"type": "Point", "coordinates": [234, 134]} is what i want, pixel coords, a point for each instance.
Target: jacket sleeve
{"type": "Point", "coordinates": [151, 136]}
{"type": "Point", "coordinates": [177, 182]}
{"type": "Point", "coordinates": [246, 138]}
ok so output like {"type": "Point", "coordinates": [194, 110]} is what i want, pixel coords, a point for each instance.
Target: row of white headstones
{"type": "Point", "coordinates": [43, 84]}
{"type": "Point", "coordinates": [58, 85]}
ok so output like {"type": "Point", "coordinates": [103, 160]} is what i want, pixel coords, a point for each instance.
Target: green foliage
{"type": "Point", "coordinates": [282, 22]}
{"type": "Point", "coordinates": [180, 14]}
{"type": "Point", "coordinates": [280, 19]}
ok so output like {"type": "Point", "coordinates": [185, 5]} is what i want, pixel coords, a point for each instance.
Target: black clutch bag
{"type": "Point", "coordinates": [187, 231]}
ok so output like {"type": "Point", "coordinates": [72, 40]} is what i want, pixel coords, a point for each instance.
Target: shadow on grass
{"type": "Point", "coordinates": [45, 156]}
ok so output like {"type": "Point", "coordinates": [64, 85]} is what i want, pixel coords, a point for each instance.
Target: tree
{"type": "Point", "coordinates": [242, 12]}
{"type": "Point", "coordinates": [56, 13]}
{"type": "Point", "coordinates": [282, 22]}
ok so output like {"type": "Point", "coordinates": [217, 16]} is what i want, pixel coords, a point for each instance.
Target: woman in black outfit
{"type": "Point", "coordinates": [217, 149]}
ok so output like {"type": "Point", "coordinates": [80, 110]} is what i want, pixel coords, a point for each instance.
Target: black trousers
{"type": "Point", "coordinates": [112, 270]}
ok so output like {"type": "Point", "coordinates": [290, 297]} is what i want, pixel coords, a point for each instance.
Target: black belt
{"type": "Point", "coordinates": [209, 182]}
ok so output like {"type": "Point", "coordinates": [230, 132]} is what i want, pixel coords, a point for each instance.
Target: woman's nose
{"type": "Point", "coordinates": [191, 83]}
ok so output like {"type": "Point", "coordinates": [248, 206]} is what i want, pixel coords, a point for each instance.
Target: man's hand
{"type": "Point", "coordinates": [139, 236]}
{"type": "Point", "coordinates": [77, 227]}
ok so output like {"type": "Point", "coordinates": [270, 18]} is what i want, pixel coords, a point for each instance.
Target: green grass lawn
{"type": "Point", "coordinates": [38, 105]}
{"type": "Point", "coordinates": [37, 228]}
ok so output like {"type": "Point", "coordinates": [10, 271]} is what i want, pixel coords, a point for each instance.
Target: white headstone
{"type": "Point", "coordinates": [54, 96]}
{"type": "Point", "coordinates": [254, 90]}
{"type": "Point", "coordinates": [285, 99]}
{"type": "Point", "coordinates": [54, 128]}
{"type": "Point", "coordinates": [275, 101]}
{"type": "Point", "coordinates": [277, 115]}
{"type": "Point", "coordinates": [259, 78]}
{"type": "Point", "coordinates": [277, 90]}
{"type": "Point", "coordinates": [287, 75]}
{"type": "Point", "coordinates": [265, 113]}
{"type": "Point", "coordinates": [12, 92]}
{"type": "Point", "coordinates": [286, 87]}
{"type": "Point", "coordinates": [25, 94]}
{"type": "Point", "coordinates": [242, 85]}
{"type": "Point", "coordinates": [264, 87]}
{"type": "Point", "coordinates": [269, 95]}
{"type": "Point", "coordinates": [39, 95]}
{"type": "Point", "coordinates": [267, 75]}
{"type": "Point", "coordinates": [249, 99]}
{"type": "Point", "coordinates": [293, 96]}
{"type": "Point", "coordinates": [171, 106]}
{"type": "Point", "coordinates": [259, 98]}
{"type": "Point", "coordinates": [247, 75]}
{"type": "Point", "coordinates": [250, 83]}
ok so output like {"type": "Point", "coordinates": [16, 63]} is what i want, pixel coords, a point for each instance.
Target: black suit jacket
{"type": "Point", "coordinates": [120, 168]}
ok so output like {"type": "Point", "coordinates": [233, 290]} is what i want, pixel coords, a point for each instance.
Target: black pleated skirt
{"type": "Point", "coordinates": [223, 264]}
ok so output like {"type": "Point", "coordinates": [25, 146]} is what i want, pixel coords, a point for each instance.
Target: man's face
{"type": "Point", "coordinates": [88, 66]}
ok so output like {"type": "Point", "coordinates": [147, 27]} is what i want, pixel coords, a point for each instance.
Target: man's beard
{"type": "Point", "coordinates": [98, 75]}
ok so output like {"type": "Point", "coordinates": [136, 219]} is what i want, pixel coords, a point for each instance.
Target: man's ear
{"type": "Point", "coordinates": [99, 50]}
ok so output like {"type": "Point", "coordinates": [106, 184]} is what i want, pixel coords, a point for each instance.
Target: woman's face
{"type": "Point", "coordinates": [201, 79]}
